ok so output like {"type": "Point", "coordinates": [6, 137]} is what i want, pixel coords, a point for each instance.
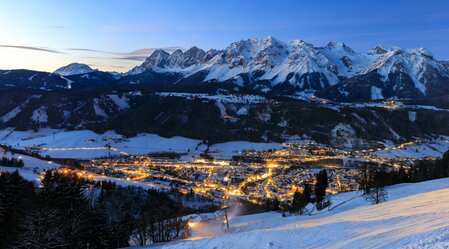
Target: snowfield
{"type": "Point", "coordinates": [435, 148]}
{"type": "Point", "coordinates": [31, 165]}
{"type": "Point", "coordinates": [86, 144]}
{"type": "Point", "coordinates": [416, 216]}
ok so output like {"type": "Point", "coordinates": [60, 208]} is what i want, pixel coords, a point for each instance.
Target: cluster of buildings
{"type": "Point", "coordinates": [252, 175]}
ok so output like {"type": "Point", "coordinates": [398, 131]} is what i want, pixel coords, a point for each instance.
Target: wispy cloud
{"type": "Point", "coordinates": [57, 27]}
{"type": "Point", "coordinates": [132, 58]}
{"type": "Point", "coordinates": [90, 50]}
{"type": "Point", "coordinates": [142, 51]}
{"type": "Point", "coordinates": [151, 50]}
{"type": "Point", "coordinates": [119, 67]}
{"type": "Point", "coordinates": [135, 55]}
{"type": "Point", "coordinates": [41, 49]}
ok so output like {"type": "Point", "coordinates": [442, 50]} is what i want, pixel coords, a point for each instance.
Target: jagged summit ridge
{"type": "Point", "coordinates": [305, 66]}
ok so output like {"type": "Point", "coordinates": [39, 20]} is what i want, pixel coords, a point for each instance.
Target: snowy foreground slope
{"type": "Point", "coordinates": [416, 216]}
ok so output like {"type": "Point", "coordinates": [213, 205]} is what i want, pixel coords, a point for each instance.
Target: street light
{"type": "Point", "coordinates": [226, 221]}
{"type": "Point", "coordinates": [191, 225]}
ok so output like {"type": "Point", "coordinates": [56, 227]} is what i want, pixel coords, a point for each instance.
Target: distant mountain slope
{"type": "Point", "coordinates": [73, 69]}
{"type": "Point", "coordinates": [396, 73]}
{"type": "Point", "coordinates": [217, 117]}
{"type": "Point", "coordinates": [11, 79]}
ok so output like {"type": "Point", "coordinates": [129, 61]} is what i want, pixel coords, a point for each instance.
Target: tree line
{"type": "Point", "coordinates": [11, 162]}
{"type": "Point", "coordinates": [377, 177]}
{"type": "Point", "coordinates": [67, 211]}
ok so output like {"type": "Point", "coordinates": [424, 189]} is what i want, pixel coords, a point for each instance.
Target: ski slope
{"type": "Point", "coordinates": [416, 216]}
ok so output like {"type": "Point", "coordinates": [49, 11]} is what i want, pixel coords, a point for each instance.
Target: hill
{"type": "Point", "coordinates": [416, 216]}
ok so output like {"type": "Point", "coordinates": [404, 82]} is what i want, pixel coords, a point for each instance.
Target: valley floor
{"type": "Point", "coordinates": [416, 216]}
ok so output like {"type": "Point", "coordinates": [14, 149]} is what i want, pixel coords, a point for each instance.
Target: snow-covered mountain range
{"type": "Point", "coordinates": [334, 71]}
{"type": "Point", "coordinates": [263, 59]}
{"type": "Point", "coordinates": [269, 64]}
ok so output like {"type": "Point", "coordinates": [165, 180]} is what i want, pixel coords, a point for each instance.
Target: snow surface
{"type": "Point", "coordinates": [416, 216]}
{"type": "Point", "coordinates": [376, 93]}
{"type": "Point", "coordinates": [32, 76]}
{"type": "Point", "coordinates": [412, 116]}
{"type": "Point", "coordinates": [14, 112]}
{"type": "Point", "coordinates": [40, 115]}
{"type": "Point", "coordinates": [434, 148]}
{"type": "Point", "coordinates": [98, 110]}
{"type": "Point", "coordinates": [69, 82]}
{"type": "Point", "coordinates": [122, 102]}
{"type": "Point", "coordinates": [243, 111]}
{"type": "Point", "coordinates": [32, 164]}
{"type": "Point", "coordinates": [73, 69]}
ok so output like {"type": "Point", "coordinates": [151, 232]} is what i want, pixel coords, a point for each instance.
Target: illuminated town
{"type": "Point", "coordinates": [252, 175]}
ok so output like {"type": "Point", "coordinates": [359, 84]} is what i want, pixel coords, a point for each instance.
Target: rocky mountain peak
{"type": "Point", "coordinates": [423, 51]}
{"type": "Point", "coordinates": [378, 50]}
{"type": "Point", "coordinates": [339, 46]}
{"type": "Point", "coordinates": [157, 59]}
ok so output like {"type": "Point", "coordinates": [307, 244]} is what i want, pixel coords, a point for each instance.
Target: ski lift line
{"type": "Point", "coordinates": [153, 148]}
{"type": "Point", "coordinates": [86, 148]}
{"type": "Point", "coordinates": [112, 148]}
{"type": "Point", "coordinates": [75, 148]}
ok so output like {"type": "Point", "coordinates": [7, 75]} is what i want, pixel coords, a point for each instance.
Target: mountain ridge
{"type": "Point", "coordinates": [404, 73]}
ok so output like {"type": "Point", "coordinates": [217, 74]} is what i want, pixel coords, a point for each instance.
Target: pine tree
{"type": "Point", "coordinates": [64, 196]}
{"type": "Point", "coordinates": [16, 201]}
{"type": "Point", "coordinates": [320, 188]}
{"type": "Point", "coordinates": [299, 202]}
{"type": "Point", "coordinates": [307, 192]}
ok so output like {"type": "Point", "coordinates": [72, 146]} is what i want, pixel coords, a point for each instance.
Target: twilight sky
{"type": "Point", "coordinates": [117, 35]}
